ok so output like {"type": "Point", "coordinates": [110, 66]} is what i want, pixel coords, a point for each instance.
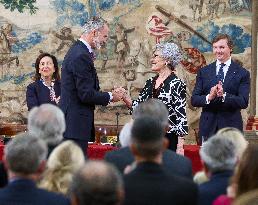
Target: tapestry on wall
{"type": "Point", "coordinates": [31, 27]}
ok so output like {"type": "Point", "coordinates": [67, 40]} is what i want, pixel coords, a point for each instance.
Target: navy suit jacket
{"type": "Point", "coordinates": [25, 192]}
{"type": "Point", "coordinates": [80, 92]}
{"type": "Point", "coordinates": [172, 162]}
{"type": "Point", "coordinates": [150, 184]}
{"type": "Point", "coordinates": [216, 186]}
{"type": "Point", "coordinates": [38, 94]}
{"type": "Point", "coordinates": [218, 114]}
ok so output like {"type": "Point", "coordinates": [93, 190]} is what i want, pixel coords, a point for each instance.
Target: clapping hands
{"type": "Point", "coordinates": [216, 91]}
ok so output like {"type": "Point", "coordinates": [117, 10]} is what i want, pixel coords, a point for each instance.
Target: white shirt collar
{"type": "Point", "coordinates": [228, 62]}
{"type": "Point", "coordinates": [86, 44]}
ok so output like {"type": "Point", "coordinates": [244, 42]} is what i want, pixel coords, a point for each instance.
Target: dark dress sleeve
{"type": "Point", "coordinates": [32, 96]}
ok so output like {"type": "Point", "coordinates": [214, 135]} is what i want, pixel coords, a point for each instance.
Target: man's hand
{"type": "Point", "coordinates": [213, 93]}
{"type": "Point", "coordinates": [220, 89]}
{"type": "Point", "coordinates": [118, 94]}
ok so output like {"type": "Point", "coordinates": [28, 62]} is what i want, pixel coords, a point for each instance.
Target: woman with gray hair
{"type": "Point", "coordinates": [168, 88]}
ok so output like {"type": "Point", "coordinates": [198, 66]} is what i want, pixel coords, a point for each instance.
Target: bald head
{"type": "Point", "coordinates": [97, 182]}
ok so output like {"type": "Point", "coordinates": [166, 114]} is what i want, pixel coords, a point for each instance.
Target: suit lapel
{"type": "Point", "coordinates": [89, 56]}
{"type": "Point", "coordinates": [213, 74]}
{"type": "Point", "coordinates": [232, 71]}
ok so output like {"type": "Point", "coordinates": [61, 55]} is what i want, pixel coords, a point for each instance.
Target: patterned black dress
{"type": "Point", "coordinates": [172, 93]}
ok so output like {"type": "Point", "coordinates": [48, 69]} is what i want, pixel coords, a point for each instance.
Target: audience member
{"type": "Point", "coordinates": [97, 183]}
{"type": "Point", "coordinates": [46, 88]}
{"type": "Point", "coordinates": [147, 182]}
{"type": "Point", "coordinates": [24, 158]}
{"type": "Point", "coordinates": [62, 163]}
{"type": "Point", "coordinates": [48, 123]}
{"type": "Point", "coordinates": [219, 158]}
{"type": "Point", "coordinates": [237, 138]}
{"type": "Point", "coordinates": [172, 162]}
{"type": "Point", "coordinates": [249, 198]}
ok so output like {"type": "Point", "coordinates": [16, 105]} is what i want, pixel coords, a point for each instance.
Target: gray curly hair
{"type": "Point", "coordinates": [95, 23]}
{"type": "Point", "coordinates": [170, 52]}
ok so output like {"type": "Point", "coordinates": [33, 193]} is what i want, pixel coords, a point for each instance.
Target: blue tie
{"type": "Point", "coordinates": [220, 75]}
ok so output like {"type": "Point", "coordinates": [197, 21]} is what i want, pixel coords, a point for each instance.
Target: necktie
{"type": "Point", "coordinates": [220, 75]}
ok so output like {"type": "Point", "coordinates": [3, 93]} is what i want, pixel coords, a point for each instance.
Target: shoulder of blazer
{"type": "Point", "coordinates": [208, 67]}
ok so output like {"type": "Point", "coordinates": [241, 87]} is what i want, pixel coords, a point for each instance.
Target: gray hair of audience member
{"type": "Point", "coordinates": [47, 122]}
{"type": "Point", "coordinates": [236, 137]}
{"type": "Point", "coordinates": [95, 23]}
{"type": "Point", "coordinates": [97, 182]}
{"type": "Point", "coordinates": [25, 153]}
{"type": "Point", "coordinates": [125, 134]}
{"type": "Point", "coordinates": [218, 154]}
{"type": "Point", "coordinates": [153, 108]}
{"type": "Point", "coordinates": [147, 136]}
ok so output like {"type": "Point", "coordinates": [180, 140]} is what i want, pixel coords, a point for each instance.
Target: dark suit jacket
{"type": "Point", "coordinates": [38, 94]}
{"type": "Point", "coordinates": [80, 92]}
{"type": "Point", "coordinates": [172, 162]}
{"type": "Point", "coordinates": [218, 114]}
{"type": "Point", "coordinates": [150, 184]}
{"type": "Point", "coordinates": [217, 185]}
{"type": "Point", "coordinates": [25, 192]}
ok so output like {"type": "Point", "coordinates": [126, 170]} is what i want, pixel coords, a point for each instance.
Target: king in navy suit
{"type": "Point", "coordinates": [80, 85]}
{"type": "Point", "coordinates": [222, 89]}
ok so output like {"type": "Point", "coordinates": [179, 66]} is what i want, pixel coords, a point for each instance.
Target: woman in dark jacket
{"type": "Point", "coordinates": [46, 87]}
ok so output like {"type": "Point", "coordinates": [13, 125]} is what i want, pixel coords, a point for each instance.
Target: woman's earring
{"type": "Point", "coordinates": [166, 63]}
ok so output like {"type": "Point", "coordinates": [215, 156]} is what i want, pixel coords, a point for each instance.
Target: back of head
{"type": "Point", "coordinates": [218, 154]}
{"type": "Point", "coordinates": [153, 108]}
{"type": "Point", "coordinates": [125, 135]}
{"type": "Point", "coordinates": [62, 163]}
{"type": "Point", "coordinates": [47, 122]}
{"type": "Point", "coordinates": [25, 153]}
{"type": "Point", "coordinates": [95, 23]}
{"type": "Point", "coordinates": [147, 136]}
{"type": "Point", "coordinates": [246, 175]}
{"type": "Point", "coordinates": [249, 198]}
{"type": "Point", "coordinates": [236, 137]}
{"type": "Point", "coordinates": [97, 183]}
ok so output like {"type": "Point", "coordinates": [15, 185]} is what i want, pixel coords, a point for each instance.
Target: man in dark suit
{"type": "Point", "coordinates": [147, 182]}
{"type": "Point", "coordinates": [80, 90]}
{"type": "Point", "coordinates": [123, 157]}
{"type": "Point", "coordinates": [25, 157]}
{"type": "Point", "coordinates": [222, 90]}
{"type": "Point", "coordinates": [219, 159]}
{"type": "Point", "coordinates": [97, 182]}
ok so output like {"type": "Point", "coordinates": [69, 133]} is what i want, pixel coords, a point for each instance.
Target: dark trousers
{"type": "Point", "coordinates": [173, 140]}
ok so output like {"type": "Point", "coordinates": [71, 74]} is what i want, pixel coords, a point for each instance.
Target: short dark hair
{"type": "Point", "coordinates": [97, 182]}
{"type": "Point", "coordinates": [224, 36]}
{"type": "Point", "coordinates": [147, 136]}
{"type": "Point", "coordinates": [37, 75]}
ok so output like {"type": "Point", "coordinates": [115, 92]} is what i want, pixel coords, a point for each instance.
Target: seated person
{"type": "Point", "coordinates": [62, 163]}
